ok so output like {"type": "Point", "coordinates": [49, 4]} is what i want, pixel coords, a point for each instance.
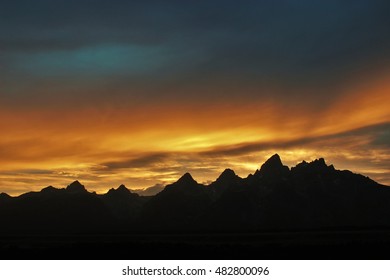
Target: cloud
{"type": "Point", "coordinates": [304, 46]}
{"type": "Point", "coordinates": [150, 191]}
{"type": "Point", "coordinates": [144, 161]}
{"type": "Point", "coordinates": [354, 149]}
{"type": "Point", "coordinates": [361, 139]}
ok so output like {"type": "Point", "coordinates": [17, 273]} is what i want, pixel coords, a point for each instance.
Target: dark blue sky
{"type": "Point", "coordinates": [181, 44]}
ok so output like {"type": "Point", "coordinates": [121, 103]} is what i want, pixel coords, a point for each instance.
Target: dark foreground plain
{"type": "Point", "coordinates": [322, 245]}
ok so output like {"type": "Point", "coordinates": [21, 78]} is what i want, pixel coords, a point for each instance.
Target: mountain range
{"type": "Point", "coordinates": [309, 196]}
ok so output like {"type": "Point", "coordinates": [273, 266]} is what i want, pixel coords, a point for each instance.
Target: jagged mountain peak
{"type": "Point", "coordinates": [317, 165]}
{"type": "Point", "coordinates": [184, 184]}
{"type": "Point", "coordinates": [273, 161]}
{"type": "Point", "coordinates": [49, 189]}
{"type": "Point", "coordinates": [76, 186]}
{"type": "Point", "coordinates": [226, 180]}
{"type": "Point", "coordinates": [227, 175]}
{"type": "Point", "coordinates": [120, 190]}
{"type": "Point", "coordinates": [186, 179]}
{"type": "Point", "coordinates": [4, 195]}
{"type": "Point", "coordinates": [275, 158]}
{"type": "Point", "coordinates": [273, 166]}
{"type": "Point", "coordinates": [320, 162]}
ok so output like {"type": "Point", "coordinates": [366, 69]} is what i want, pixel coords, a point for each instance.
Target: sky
{"type": "Point", "coordinates": [141, 92]}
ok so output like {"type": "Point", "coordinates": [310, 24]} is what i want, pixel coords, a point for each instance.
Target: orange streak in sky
{"type": "Point", "coordinates": [76, 141]}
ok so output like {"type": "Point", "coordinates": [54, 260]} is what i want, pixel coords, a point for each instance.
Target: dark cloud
{"type": "Point", "coordinates": [286, 44]}
{"type": "Point", "coordinates": [241, 149]}
{"type": "Point", "coordinates": [28, 171]}
{"type": "Point", "coordinates": [143, 161]}
{"type": "Point", "coordinates": [375, 135]}
{"type": "Point", "coordinates": [382, 137]}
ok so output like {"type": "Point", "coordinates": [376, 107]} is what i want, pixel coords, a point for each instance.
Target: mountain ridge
{"type": "Point", "coordinates": [270, 165]}
{"type": "Point", "coordinates": [308, 196]}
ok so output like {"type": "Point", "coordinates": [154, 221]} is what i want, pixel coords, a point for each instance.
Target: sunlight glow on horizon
{"type": "Point", "coordinates": [54, 148]}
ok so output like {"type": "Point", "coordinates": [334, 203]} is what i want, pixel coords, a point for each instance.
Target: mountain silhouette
{"type": "Point", "coordinates": [310, 196]}
{"type": "Point", "coordinates": [121, 191]}
{"type": "Point", "coordinates": [123, 205]}
{"type": "Point", "coordinates": [76, 187]}
{"type": "Point", "coordinates": [273, 168]}
{"type": "Point", "coordinates": [177, 206]}
{"type": "Point", "coordinates": [4, 196]}
{"type": "Point", "coordinates": [228, 181]}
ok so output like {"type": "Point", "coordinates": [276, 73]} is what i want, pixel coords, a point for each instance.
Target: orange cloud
{"type": "Point", "coordinates": [82, 142]}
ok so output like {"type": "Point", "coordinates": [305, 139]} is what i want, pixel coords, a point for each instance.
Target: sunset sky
{"type": "Point", "coordinates": [140, 92]}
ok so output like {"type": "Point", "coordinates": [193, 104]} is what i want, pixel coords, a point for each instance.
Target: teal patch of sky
{"type": "Point", "coordinates": [93, 61]}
